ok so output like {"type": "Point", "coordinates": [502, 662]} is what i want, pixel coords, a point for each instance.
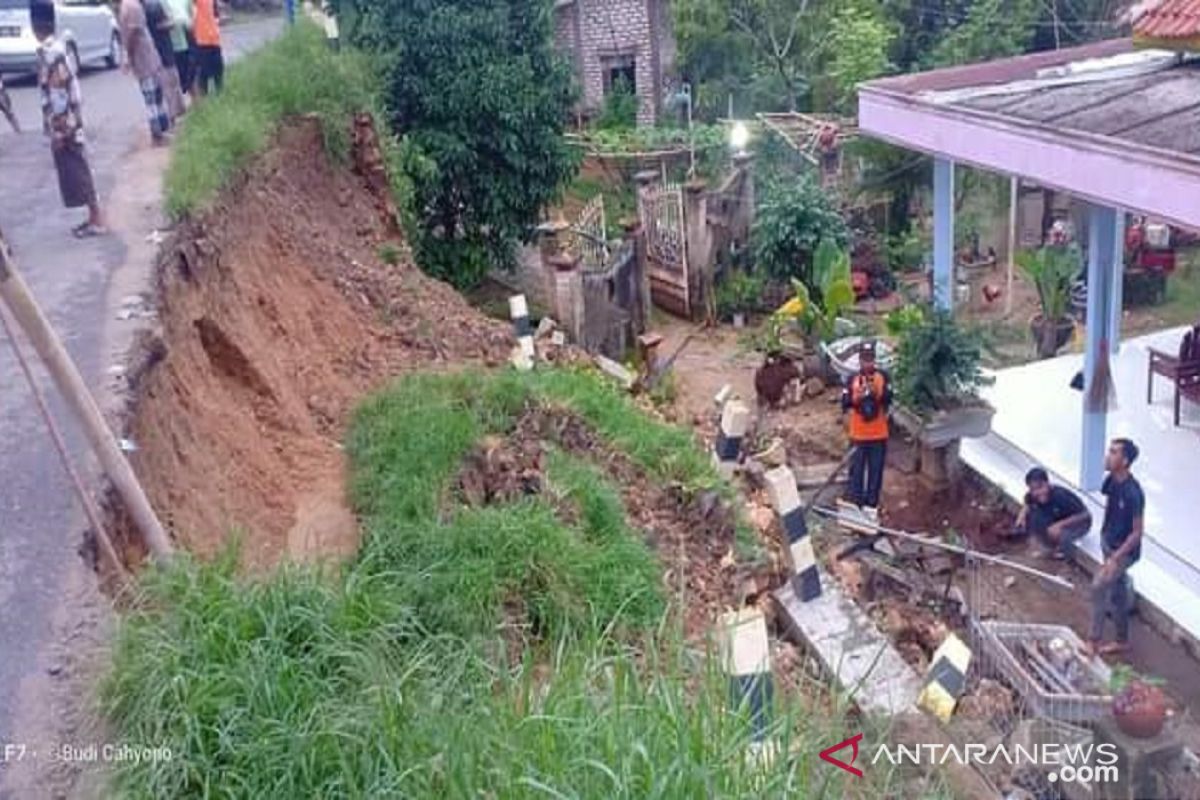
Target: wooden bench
{"type": "Point", "coordinates": [1183, 370]}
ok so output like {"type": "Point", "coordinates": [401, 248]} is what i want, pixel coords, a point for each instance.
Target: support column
{"type": "Point", "coordinates": [943, 234]}
{"type": "Point", "coordinates": [1118, 288]}
{"type": "Point", "coordinates": [1102, 275]}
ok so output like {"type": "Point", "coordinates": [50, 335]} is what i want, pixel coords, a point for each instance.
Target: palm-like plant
{"type": "Point", "coordinates": [1051, 270]}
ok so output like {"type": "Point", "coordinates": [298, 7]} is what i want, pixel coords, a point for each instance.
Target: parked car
{"type": "Point", "coordinates": [88, 28]}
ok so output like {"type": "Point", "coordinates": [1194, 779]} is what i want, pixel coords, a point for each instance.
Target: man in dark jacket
{"type": "Point", "coordinates": [1054, 515]}
{"type": "Point", "coordinates": [1121, 542]}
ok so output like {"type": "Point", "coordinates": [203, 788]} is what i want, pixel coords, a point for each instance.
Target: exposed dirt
{"type": "Point", "coordinates": [277, 314]}
{"type": "Point", "coordinates": [693, 534]}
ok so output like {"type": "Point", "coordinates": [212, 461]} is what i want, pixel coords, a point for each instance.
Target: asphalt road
{"type": "Point", "coordinates": [40, 521]}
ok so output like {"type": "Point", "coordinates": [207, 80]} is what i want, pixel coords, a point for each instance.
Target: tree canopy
{"type": "Point", "coordinates": [479, 89]}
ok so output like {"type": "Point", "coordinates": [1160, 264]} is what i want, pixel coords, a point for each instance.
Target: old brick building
{"type": "Point", "coordinates": [613, 40]}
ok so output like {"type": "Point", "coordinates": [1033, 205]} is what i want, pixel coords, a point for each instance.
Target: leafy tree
{"type": "Point", "coordinates": [794, 217]}
{"type": "Point", "coordinates": [989, 29]}
{"type": "Point", "coordinates": [764, 44]}
{"type": "Point", "coordinates": [479, 89]}
{"type": "Point", "coordinates": [859, 39]}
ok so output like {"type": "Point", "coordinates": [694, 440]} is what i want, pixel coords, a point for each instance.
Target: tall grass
{"type": "Point", "coordinates": [295, 74]}
{"type": "Point", "coordinates": [467, 652]}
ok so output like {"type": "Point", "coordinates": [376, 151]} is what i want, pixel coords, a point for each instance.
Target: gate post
{"type": "Point", "coordinates": [646, 179]}
{"type": "Point", "coordinates": [567, 294]}
{"type": "Point", "coordinates": [698, 246]}
{"type": "Point", "coordinates": [635, 233]}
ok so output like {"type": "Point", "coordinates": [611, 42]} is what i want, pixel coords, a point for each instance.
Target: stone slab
{"type": "Point", "coordinates": [852, 649]}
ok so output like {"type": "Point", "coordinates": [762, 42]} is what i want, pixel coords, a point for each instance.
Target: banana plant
{"type": "Point", "coordinates": [830, 294]}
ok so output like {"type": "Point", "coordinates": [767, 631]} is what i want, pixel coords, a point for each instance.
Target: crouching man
{"type": "Point", "coordinates": [1053, 515]}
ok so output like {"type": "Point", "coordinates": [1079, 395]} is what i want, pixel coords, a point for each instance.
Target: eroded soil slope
{"type": "Point", "coordinates": [277, 314]}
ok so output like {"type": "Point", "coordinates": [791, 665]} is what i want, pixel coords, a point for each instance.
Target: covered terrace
{"type": "Point", "coordinates": [1119, 129]}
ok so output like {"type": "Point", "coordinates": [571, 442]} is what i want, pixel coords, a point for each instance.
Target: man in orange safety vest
{"type": "Point", "coordinates": [867, 396]}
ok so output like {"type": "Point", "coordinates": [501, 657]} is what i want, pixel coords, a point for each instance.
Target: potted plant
{"type": "Point", "coordinates": [937, 378]}
{"type": "Point", "coordinates": [738, 296]}
{"type": "Point", "coordinates": [1051, 270]}
{"type": "Point", "coordinates": [1139, 704]}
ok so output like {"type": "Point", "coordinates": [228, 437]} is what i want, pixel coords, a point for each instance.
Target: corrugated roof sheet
{"type": "Point", "coordinates": [1169, 19]}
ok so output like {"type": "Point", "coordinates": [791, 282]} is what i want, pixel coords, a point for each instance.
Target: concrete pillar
{"type": "Point", "coordinates": [640, 309]}
{"type": "Point", "coordinates": [701, 280]}
{"type": "Point", "coordinates": [745, 648]}
{"type": "Point", "coordinates": [744, 216]}
{"type": "Point", "coordinates": [1102, 275]}
{"type": "Point", "coordinates": [1118, 289]}
{"type": "Point", "coordinates": [523, 354]}
{"type": "Point", "coordinates": [566, 295]}
{"type": "Point", "coordinates": [785, 498]}
{"type": "Point", "coordinates": [727, 450]}
{"type": "Point", "coordinates": [943, 233]}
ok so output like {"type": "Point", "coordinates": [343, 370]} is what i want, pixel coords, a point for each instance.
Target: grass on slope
{"type": "Point", "coordinates": [296, 74]}
{"type": "Point", "coordinates": [396, 678]}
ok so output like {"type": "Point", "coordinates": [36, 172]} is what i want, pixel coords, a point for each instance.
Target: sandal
{"type": "Point", "coordinates": [87, 230]}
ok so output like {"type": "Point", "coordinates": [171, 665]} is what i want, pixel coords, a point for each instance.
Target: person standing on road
{"type": "Point", "coordinates": [1053, 514]}
{"type": "Point", "coordinates": [143, 61]}
{"type": "Point", "coordinates": [6, 108]}
{"type": "Point", "coordinates": [62, 120]}
{"type": "Point", "coordinates": [161, 26]}
{"type": "Point", "coordinates": [868, 398]}
{"type": "Point", "coordinates": [181, 40]}
{"type": "Point", "coordinates": [1121, 542]}
{"type": "Point", "coordinates": [210, 61]}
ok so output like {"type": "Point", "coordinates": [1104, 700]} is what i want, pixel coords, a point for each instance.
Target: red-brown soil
{"type": "Point", "coordinates": [277, 314]}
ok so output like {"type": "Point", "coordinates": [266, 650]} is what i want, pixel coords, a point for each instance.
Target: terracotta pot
{"type": "Point", "coordinates": [1051, 338]}
{"type": "Point", "coordinates": [1140, 710]}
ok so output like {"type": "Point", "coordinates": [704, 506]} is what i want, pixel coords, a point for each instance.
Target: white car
{"type": "Point", "coordinates": [88, 28]}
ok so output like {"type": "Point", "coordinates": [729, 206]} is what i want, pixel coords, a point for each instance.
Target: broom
{"type": "Point", "coordinates": [1102, 393]}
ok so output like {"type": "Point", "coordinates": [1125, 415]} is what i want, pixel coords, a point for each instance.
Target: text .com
{"type": "Point", "coordinates": [1068, 763]}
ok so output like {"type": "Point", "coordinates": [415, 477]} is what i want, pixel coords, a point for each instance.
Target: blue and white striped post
{"type": "Point", "coordinates": [785, 498]}
{"type": "Point", "coordinates": [519, 311]}
{"type": "Point", "coordinates": [727, 451]}
{"type": "Point", "coordinates": [746, 652]}
{"type": "Point", "coordinates": [946, 679]}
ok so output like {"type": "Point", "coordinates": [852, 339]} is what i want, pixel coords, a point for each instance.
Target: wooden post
{"type": "Point", "coordinates": [15, 294]}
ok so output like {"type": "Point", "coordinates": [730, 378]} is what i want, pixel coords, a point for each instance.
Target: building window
{"type": "Point", "coordinates": [620, 71]}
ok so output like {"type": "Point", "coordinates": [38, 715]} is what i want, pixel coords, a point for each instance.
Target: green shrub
{"type": "Point", "coordinates": [620, 107]}
{"type": "Point", "coordinates": [794, 216]}
{"type": "Point", "coordinates": [482, 93]}
{"type": "Point", "coordinates": [939, 364]}
{"type": "Point", "coordinates": [740, 293]}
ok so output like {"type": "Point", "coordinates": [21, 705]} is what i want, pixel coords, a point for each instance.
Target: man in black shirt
{"type": "Point", "coordinates": [1053, 514]}
{"type": "Point", "coordinates": [1121, 541]}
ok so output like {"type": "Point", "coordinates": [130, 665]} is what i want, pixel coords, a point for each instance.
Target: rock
{"type": "Point", "coordinates": [814, 387]}
{"type": "Point", "coordinates": [545, 327]}
{"type": "Point", "coordinates": [761, 517]}
{"type": "Point", "coordinates": [755, 473]}
{"type": "Point", "coordinates": [774, 456]}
